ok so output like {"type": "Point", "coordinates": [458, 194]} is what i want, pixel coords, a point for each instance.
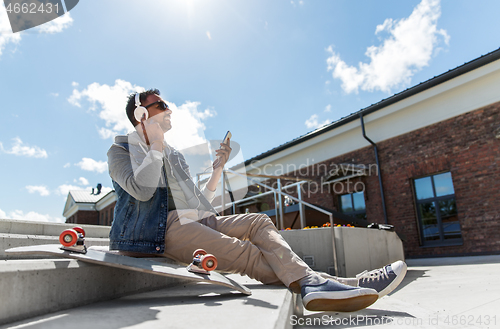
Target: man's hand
{"type": "Point", "coordinates": [155, 134]}
{"type": "Point", "coordinates": [154, 131]}
{"type": "Point", "coordinates": [222, 155]}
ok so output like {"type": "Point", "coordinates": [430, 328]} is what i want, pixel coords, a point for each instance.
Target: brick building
{"type": "Point", "coordinates": [437, 146]}
{"type": "Point", "coordinates": [84, 207]}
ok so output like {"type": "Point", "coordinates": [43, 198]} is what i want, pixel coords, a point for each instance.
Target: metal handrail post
{"type": "Point", "coordinates": [280, 198]}
{"type": "Point", "coordinates": [301, 207]}
{"type": "Point", "coordinates": [223, 194]}
{"type": "Point", "coordinates": [275, 209]}
{"type": "Point", "coordinates": [334, 249]}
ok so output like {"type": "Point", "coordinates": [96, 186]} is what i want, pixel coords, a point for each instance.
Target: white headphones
{"type": "Point", "coordinates": [139, 111]}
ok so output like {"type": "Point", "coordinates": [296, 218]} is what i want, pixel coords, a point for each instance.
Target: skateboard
{"type": "Point", "coordinates": [73, 246]}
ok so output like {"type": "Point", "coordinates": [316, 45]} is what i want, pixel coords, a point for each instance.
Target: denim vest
{"type": "Point", "coordinates": [140, 226]}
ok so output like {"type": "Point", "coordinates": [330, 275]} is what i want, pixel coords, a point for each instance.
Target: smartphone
{"type": "Point", "coordinates": [228, 136]}
{"type": "Point", "coordinates": [225, 140]}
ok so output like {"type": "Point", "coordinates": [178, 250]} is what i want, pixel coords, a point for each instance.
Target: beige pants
{"type": "Point", "coordinates": [246, 244]}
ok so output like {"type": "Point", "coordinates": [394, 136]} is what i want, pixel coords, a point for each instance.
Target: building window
{"type": "Point", "coordinates": [353, 205]}
{"type": "Point", "coordinates": [437, 210]}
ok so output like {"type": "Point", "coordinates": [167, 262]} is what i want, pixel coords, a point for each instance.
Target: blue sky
{"type": "Point", "coordinates": [269, 71]}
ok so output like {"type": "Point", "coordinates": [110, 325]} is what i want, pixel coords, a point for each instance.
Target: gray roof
{"type": "Point", "coordinates": [85, 196]}
{"type": "Point", "coordinates": [453, 73]}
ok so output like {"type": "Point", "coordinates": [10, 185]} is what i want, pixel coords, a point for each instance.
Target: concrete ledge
{"type": "Point", "coordinates": [187, 305]}
{"type": "Point", "coordinates": [358, 249]}
{"type": "Point", "coordinates": [14, 226]}
{"type": "Point", "coordinates": [34, 287]}
{"type": "Point", "coordinates": [18, 233]}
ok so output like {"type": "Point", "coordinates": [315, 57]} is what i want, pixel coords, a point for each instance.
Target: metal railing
{"type": "Point", "coordinates": [279, 211]}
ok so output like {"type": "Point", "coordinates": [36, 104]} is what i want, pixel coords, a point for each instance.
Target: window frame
{"type": "Point", "coordinates": [353, 213]}
{"type": "Point", "coordinates": [435, 200]}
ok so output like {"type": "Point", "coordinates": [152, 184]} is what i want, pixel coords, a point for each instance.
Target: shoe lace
{"type": "Point", "coordinates": [377, 274]}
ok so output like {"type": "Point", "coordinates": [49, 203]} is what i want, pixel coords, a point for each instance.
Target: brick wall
{"type": "Point", "coordinates": [106, 215]}
{"type": "Point", "coordinates": [87, 217]}
{"type": "Point", "coordinates": [467, 147]}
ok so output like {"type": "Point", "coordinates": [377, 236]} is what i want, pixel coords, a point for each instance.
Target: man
{"type": "Point", "coordinates": [160, 211]}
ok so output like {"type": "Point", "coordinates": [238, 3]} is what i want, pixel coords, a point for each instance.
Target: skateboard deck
{"type": "Point", "coordinates": [109, 258]}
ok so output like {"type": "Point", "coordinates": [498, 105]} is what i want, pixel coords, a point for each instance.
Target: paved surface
{"type": "Point", "coordinates": [436, 293]}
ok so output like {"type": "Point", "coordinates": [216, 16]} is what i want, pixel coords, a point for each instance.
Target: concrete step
{"type": "Point", "coordinates": [36, 288]}
{"type": "Point", "coordinates": [14, 226]}
{"type": "Point", "coordinates": [17, 233]}
{"type": "Point", "coordinates": [40, 286]}
{"type": "Point", "coordinates": [186, 305]}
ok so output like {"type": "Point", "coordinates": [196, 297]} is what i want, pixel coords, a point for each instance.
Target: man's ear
{"type": "Point", "coordinates": [139, 112]}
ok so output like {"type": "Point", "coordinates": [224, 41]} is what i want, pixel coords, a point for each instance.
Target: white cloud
{"type": "Point", "coordinates": [67, 165]}
{"type": "Point", "coordinates": [92, 165]}
{"type": "Point", "coordinates": [209, 36]}
{"type": "Point", "coordinates": [38, 189]}
{"type": "Point", "coordinates": [54, 94]}
{"type": "Point", "coordinates": [112, 101]}
{"type": "Point", "coordinates": [57, 25]}
{"type": "Point", "coordinates": [187, 121]}
{"type": "Point", "coordinates": [65, 188]}
{"type": "Point", "coordinates": [187, 126]}
{"type": "Point", "coordinates": [6, 35]}
{"type": "Point", "coordinates": [328, 108]}
{"type": "Point", "coordinates": [408, 48]}
{"type": "Point", "coordinates": [312, 122]}
{"type": "Point", "coordinates": [18, 148]}
{"type": "Point", "coordinates": [82, 181]}
{"type": "Point", "coordinates": [106, 133]}
{"type": "Point", "coordinates": [30, 216]}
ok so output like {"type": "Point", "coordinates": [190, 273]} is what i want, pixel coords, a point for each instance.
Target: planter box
{"type": "Point", "coordinates": [357, 249]}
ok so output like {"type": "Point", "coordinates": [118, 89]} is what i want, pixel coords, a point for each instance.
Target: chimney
{"type": "Point", "coordinates": [99, 187]}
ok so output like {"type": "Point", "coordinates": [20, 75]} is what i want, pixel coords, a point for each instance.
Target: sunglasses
{"type": "Point", "coordinates": [162, 104]}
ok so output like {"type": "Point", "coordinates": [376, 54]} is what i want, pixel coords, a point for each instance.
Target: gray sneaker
{"type": "Point", "coordinates": [333, 296]}
{"type": "Point", "coordinates": [383, 280]}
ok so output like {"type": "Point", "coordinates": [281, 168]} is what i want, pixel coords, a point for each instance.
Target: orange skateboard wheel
{"type": "Point", "coordinates": [79, 230]}
{"type": "Point", "coordinates": [199, 252]}
{"type": "Point", "coordinates": [68, 237]}
{"type": "Point", "coordinates": [209, 262]}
